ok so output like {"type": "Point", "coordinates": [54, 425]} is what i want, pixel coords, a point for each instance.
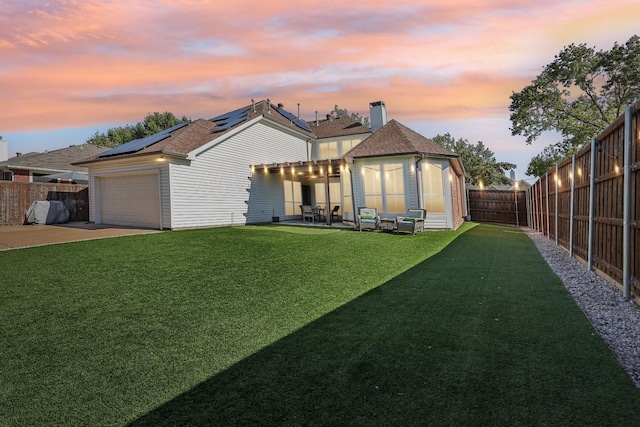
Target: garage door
{"type": "Point", "coordinates": [131, 200]}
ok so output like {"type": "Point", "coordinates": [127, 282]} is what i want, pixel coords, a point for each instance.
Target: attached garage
{"type": "Point", "coordinates": [129, 200]}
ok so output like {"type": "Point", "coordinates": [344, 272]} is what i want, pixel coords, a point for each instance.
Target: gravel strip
{"type": "Point", "coordinates": [617, 321]}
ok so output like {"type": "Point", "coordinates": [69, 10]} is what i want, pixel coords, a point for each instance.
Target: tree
{"type": "Point", "coordinates": [541, 163]}
{"type": "Point", "coordinates": [479, 162]}
{"type": "Point", "coordinates": [151, 124]}
{"type": "Point", "coordinates": [339, 112]}
{"type": "Point", "coordinates": [578, 95]}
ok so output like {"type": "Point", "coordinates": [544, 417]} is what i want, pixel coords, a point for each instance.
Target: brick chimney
{"type": "Point", "coordinates": [378, 114]}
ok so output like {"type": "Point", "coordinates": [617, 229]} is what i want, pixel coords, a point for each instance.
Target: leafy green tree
{"type": "Point", "coordinates": [339, 112]}
{"type": "Point", "coordinates": [152, 124]}
{"type": "Point", "coordinates": [541, 163]}
{"type": "Point", "coordinates": [577, 95]}
{"type": "Point", "coordinates": [479, 162]}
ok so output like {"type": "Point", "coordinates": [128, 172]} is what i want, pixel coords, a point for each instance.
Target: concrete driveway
{"type": "Point", "coordinates": [22, 236]}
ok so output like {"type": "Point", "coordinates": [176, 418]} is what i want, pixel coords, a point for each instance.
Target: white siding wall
{"type": "Point", "coordinates": [127, 167]}
{"type": "Point", "coordinates": [217, 187]}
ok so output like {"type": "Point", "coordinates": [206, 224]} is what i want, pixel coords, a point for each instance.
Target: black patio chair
{"type": "Point", "coordinates": [334, 212]}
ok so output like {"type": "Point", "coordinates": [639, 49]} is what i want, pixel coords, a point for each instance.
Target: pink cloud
{"type": "Point", "coordinates": [78, 62]}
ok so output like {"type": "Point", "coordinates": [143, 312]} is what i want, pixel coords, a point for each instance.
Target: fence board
{"type": "Point", "coordinates": [16, 197]}
{"type": "Point", "coordinates": [608, 223]}
{"type": "Point", "coordinates": [503, 207]}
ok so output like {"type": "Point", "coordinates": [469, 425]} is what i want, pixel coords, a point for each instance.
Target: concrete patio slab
{"type": "Point", "coordinates": [23, 236]}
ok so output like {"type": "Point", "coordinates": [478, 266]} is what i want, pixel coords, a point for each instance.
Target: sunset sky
{"type": "Point", "coordinates": [69, 68]}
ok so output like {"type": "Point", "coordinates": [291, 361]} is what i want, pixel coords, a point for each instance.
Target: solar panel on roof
{"type": "Point", "coordinates": [295, 120]}
{"type": "Point", "coordinates": [141, 143]}
{"type": "Point", "coordinates": [224, 125]}
{"type": "Point", "coordinates": [302, 125]}
{"type": "Point", "coordinates": [236, 113]}
{"type": "Point", "coordinates": [228, 120]}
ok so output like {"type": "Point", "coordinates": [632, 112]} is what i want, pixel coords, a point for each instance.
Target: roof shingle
{"type": "Point", "coordinates": [394, 138]}
{"type": "Point", "coordinates": [56, 160]}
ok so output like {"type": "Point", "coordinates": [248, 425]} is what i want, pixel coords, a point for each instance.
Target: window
{"type": "Point", "coordinates": [432, 187]}
{"type": "Point", "coordinates": [328, 150]}
{"type": "Point", "coordinates": [6, 176]}
{"type": "Point", "coordinates": [394, 188]}
{"type": "Point", "coordinates": [384, 187]}
{"type": "Point", "coordinates": [334, 194]}
{"type": "Point", "coordinates": [347, 204]}
{"type": "Point", "coordinates": [335, 149]}
{"type": "Point", "coordinates": [349, 144]}
{"type": "Point", "coordinates": [292, 197]}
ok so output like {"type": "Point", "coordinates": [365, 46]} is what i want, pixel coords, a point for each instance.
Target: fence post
{"type": "Point", "coordinates": [626, 217]}
{"type": "Point", "coordinates": [527, 200]}
{"type": "Point", "coordinates": [541, 222]}
{"type": "Point", "coordinates": [556, 213]}
{"type": "Point", "coordinates": [592, 205]}
{"type": "Point", "coordinates": [548, 210]}
{"type": "Point", "coordinates": [572, 209]}
{"type": "Point", "coordinates": [515, 195]}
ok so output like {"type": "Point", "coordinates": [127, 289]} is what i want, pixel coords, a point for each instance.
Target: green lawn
{"type": "Point", "coordinates": [300, 326]}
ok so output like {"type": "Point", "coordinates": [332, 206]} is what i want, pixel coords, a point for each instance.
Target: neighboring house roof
{"type": "Point", "coordinates": [393, 139]}
{"type": "Point", "coordinates": [186, 139]}
{"type": "Point", "coordinates": [61, 160]}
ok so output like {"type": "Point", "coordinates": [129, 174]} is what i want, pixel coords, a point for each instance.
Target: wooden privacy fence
{"type": "Point", "coordinates": [16, 197]}
{"type": "Point", "coordinates": [589, 203]}
{"type": "Point", "coordinates": [504, 207]}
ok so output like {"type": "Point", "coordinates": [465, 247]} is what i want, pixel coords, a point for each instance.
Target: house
{"type": "Point", "coordinates": [33, 167]}
{"type": "Point", "coordinates": [396, 168]}
{"type": "Point", "coordinates": [261, 162]}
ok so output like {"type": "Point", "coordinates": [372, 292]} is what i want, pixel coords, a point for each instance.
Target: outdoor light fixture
{"type": "Point", "coordinates": [281, 170]}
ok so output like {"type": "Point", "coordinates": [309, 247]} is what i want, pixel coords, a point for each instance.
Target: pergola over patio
{"type": "Point", "coordinates": [310, 169]}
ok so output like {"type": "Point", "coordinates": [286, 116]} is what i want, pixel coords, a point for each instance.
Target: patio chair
{"type": "Point", "coordinates": [307, 212]}
{"type": "Point", "coordinates": [413, 222]}
{"type": "Point", "coordinates": [334, 212]}
{"type": "Point", "coordinates": [368, 219]}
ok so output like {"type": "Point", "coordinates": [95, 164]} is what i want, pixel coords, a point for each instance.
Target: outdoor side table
{"type": "Point", "coordinates": [388, 224]}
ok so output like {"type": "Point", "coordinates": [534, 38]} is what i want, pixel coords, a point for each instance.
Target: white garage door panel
{"type": "Point", "coordinates": [131, 200]}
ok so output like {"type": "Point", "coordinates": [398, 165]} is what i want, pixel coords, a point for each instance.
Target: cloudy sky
{"type": "Point", "coordinates": [69, 68]}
